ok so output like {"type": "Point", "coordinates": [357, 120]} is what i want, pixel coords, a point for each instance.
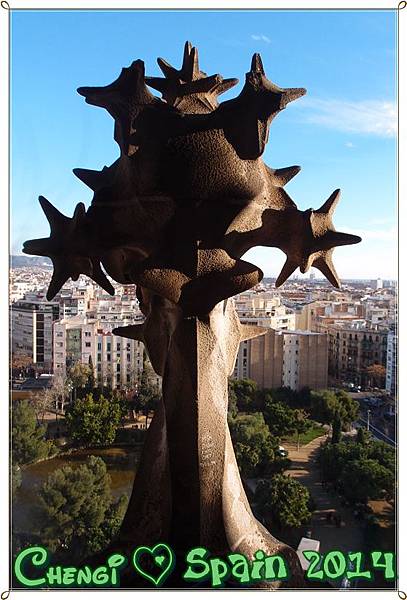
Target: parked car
{"type": "Point", "coordinates": [282, 452]}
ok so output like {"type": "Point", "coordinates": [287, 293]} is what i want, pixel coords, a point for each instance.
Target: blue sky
{"type": "Point", "coordinates": [342, 132]}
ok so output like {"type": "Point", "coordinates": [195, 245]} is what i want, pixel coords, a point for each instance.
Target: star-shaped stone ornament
{"type": "Point", "coordinates": [313, 244]}
{"type": "Point", "coordinates": [124, 99]}
{"type": "Point", "coordinates": [247, 117]}
{"type": "Point", "coordinates": [189, 89]}
{"type": "Point", "coordinates": [66, 247]}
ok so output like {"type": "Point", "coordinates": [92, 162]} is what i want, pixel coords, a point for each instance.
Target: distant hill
{"type": "Point", "coordinates": [30, 261]}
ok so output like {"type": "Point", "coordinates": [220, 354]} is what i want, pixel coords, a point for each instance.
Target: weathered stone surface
{"type": "Point", "coordinates": [188, 196]}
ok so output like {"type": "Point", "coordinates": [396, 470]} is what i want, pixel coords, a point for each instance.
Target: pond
{"type": "Point", "coordinates": [120, 462]}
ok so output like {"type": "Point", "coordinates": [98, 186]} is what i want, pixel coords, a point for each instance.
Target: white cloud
{"type": "Point", "coordinates": [261, 38]}
{"type": "Point", "coordinates": [349, 145]}
{"type": "Point", "coordinates": [375, 117]}
{"type": "Point", "coordinates": [384, 235]}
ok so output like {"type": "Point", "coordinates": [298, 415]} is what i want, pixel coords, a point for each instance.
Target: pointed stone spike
{"type": "Point", "coordinates": [95, 180]}
{"type": "Point", "coordinates": [100, 278]}
{"type": "Point", "coordinates": [325, 265]}
{"type": "Point", "coordinates": [158, 83]}
{"type": "Point", "coordinates": [337, 238]}
{"type": "Point", "coordinates": [79, 212]}
{"type": "Point", "coordinates": [38, 247]}
{"type": "Point", "coordinates": [187, 52]}
{"type": "Point", "coordinates": [193, 67]}
{"type": "Point", "coordinates": [329, 205]}
{"type": "Point", "coordinates": [248, 332]}
{"type": "Point", "coordinates": [291, 94]}
{"type": "Point", "coordinates": [133, 332]}
{"type": "Point", "coordinates": [285, 174]}
{"type": "Point", "coordinates": [226, 84]}
{"type": "Point", "coordinates": [53, 215]}
{"type": "Point", "coordinates": [306, 264]}
{"type": "Point", "coordinates": [59, 277]}
{"type": "Point", "coordinates": [257, 64]}
{"type": "Point", "coordinates": [167, 69]}
{"type": "Point", "coordinates": [287, 270]}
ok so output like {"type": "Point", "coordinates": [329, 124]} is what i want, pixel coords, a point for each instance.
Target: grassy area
{"type": "Point", "coordinates": [306, 438]}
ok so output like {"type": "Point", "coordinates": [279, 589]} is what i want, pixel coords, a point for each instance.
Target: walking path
{"type": "Point", "coordinates": [349, 537]}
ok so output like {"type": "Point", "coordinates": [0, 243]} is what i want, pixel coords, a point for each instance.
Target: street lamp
{"type": "Point", "coordinates": [368, 419]}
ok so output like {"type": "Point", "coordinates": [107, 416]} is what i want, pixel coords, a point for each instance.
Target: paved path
{"type": "Point", "coordinates": [347, 538]}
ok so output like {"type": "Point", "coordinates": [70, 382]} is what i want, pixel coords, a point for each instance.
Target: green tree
{"type": "Point", "coordinates": [79, 375]}
{"type": "Point", "coordinates": [301, 423]}
{"type": "Point", "coordinates": [281, 419]}
{"type": "Point", "coordinates": [384, 454]}
{"type": "Point", "coordinates": [28, 443]}
{"type": "Point", "coordinates": [363, 436]}
{"type": "Point", "coordinates": [325, 405]}
{"type": "Point", "coordinates": [91, 382]}
{"type": "Point", "coordinates": [254, 445]}
{"type": "Point", "coordinates": [245, 391]}
{"type": "Point", "coordinates": [348, 463]}
{"type": "Point", "coordinates": [147, 396]}
{"type": "Point", "coordinates": [78, 514]}
{"type": "Point", "coordinates": [93, 422]}
{"type": "Point", "coordinates": [232, 401]}
{"type": "Point", "coordinates": [284, 395]}
{"type": "Point", "coordinates": [336, 429]}
{"type": "Point", "coordinates": [283, 501]}
{"type": "Point", "coordinates": [347, 408]}
{"type": "Point", "coordinates": [366, 479]}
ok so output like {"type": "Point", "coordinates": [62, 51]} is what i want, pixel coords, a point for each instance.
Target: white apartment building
{"type": "Point", "coordinates": [117, 361]}
{"type": "Point", "coordinates": [115, 309]}
{"type": "Point", "coordinates": [264, 309]}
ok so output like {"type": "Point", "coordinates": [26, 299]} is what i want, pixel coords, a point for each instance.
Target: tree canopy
{"type": "Point", "coordinates": [78, 513]}
{"type": "Point", "coordinates": [365, 479]}
{"type": "Point", "coordinates": [283, 501]}
{"type": "Point", "coordinates": [254, 445]}
{"type": "Point", "coordinates": [28, 443]}
{"type": "Point", "coordinates": [327, 405]}
{"type": "Point", "coordinates": [94, 422]}
{"type": "Point", "coordinates": [362, 471]}
{"type": "Point", "coordinates": [245, 392]}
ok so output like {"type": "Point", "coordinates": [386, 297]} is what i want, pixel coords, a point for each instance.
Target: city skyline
{"type": "Point", "coordinates": [340, 133]}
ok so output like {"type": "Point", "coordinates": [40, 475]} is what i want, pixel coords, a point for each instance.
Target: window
{"type": "Point", "coordinates": [87, 344]}
{"type": "Point", "coordinates": [118, 346]}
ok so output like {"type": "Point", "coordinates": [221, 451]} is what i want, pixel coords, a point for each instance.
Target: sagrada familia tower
{"type": "Point", "coordinates": [174, 214]}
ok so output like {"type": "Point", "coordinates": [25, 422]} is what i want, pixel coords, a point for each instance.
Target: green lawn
{"type": "Point", "coordinates": [305, 438]}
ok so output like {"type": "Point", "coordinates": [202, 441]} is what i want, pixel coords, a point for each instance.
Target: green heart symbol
{"type": "Point", "coordinates": [162, 555]}
{"type": "Point", "coordinates": [159, 560]}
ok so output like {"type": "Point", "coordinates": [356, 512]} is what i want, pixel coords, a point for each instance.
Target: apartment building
{"type": "Point", "coordinates": [31, 326]}
{"type": "Point", "coordinates": [117, 361]}
{"type": "Point", "coordinates": [391, 362]}
{"type": "Point", "coordinates": [288, 358]}
{"type": "Point", "coordinates": [353, 346]}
